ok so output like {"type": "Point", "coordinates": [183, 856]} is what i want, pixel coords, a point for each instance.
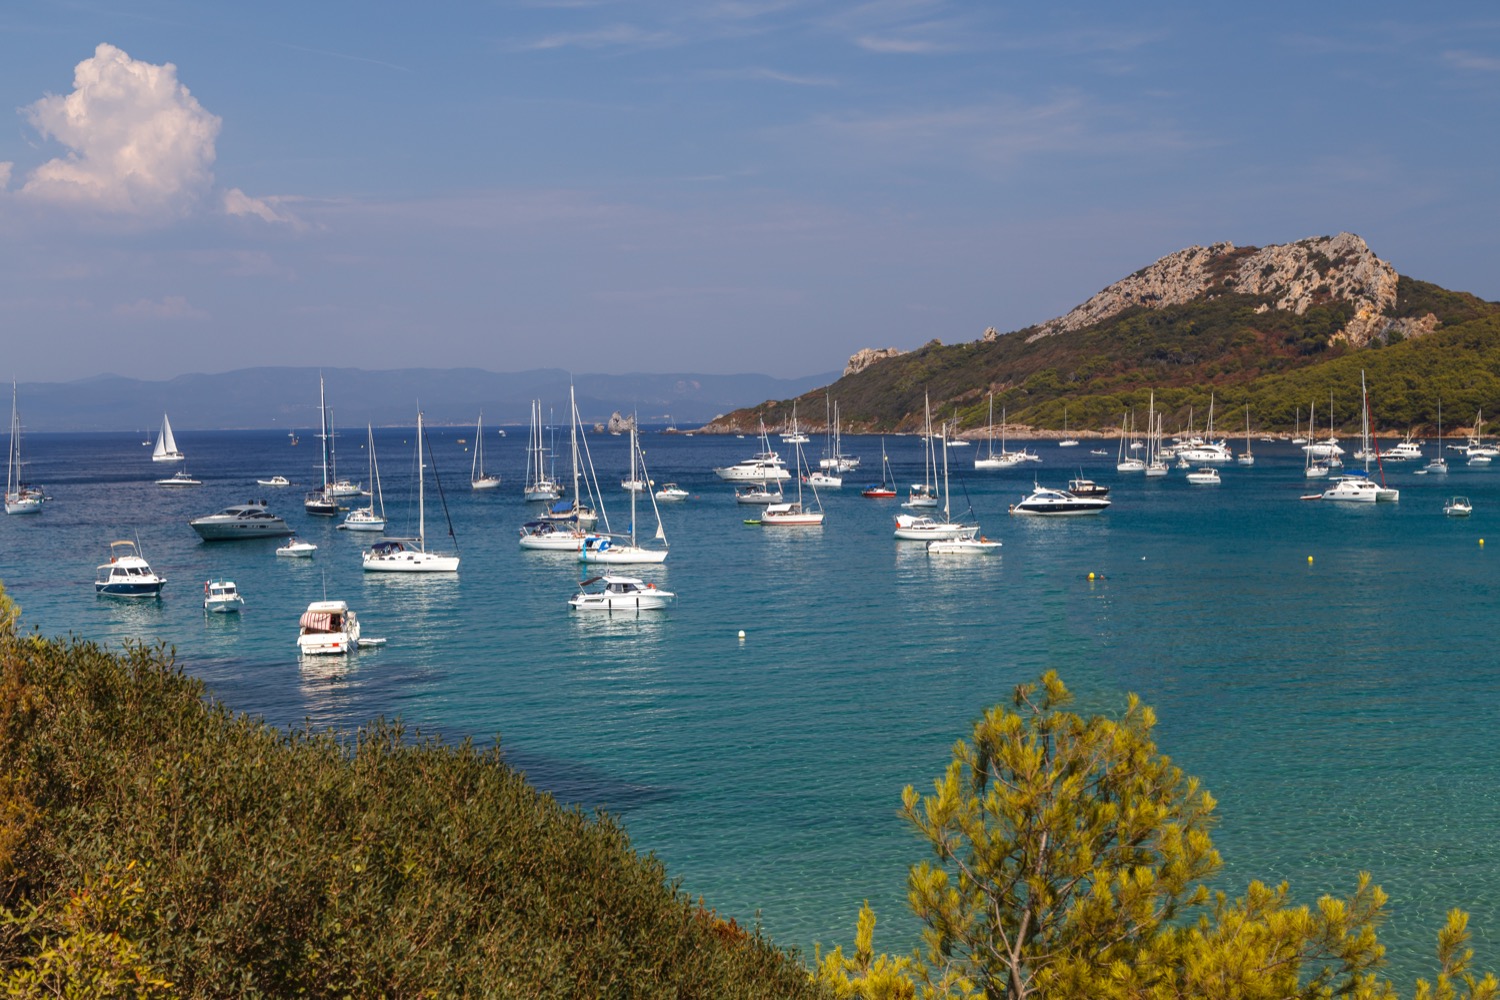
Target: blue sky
{"type": "Point", "coordinates": [714, 186]}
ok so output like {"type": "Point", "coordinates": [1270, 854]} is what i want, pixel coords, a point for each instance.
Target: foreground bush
{"type": "Point", "coordinates": [154, 844]}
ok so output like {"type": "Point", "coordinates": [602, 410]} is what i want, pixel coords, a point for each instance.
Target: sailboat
{"type": "Point", "coordinates": [602, 547]}
{"type": "Point", "coordinates": [795, 514]}
{"type": "Point", "coordinates": [1155, 466]}
{"type": "Point", "coordinates": [1438, 465]}
{"type": "Point", "coordinates": [1066, 441]}
{"type": "Point", "coordinates": [1245, 457]}
{"type": "Point", "coordinates": [411, 555]}
{"type": "Point", "coordinates": [337, 487]}
{"type": "Point", "coordinates": [19, 498]}
{"type": "Point", "coordinates": [321, 501]}
{"type": "Point", "coordinates": [477, 478]}
{"type": "Point", "coordinates": [367, 518]}
{"type": "Point", "coordinates": [539, 485]}
{"type": "Point", "coordinates": [1317, 466]}
{"type": "Point", "coordinates": [924, 494]}
{"type": "Point", "coordinates": [921, 527]}
{"type": "Point", "coordinates": [836, 461]}
{"type": "Point", "coordinates": [1126, 462]}
{"type": "Point", "coordinates": [886, 488]}
{"type": "Point", "coordinates": [561, 529]}
{"type": "Point", "coordinates": [993, 460]}
{"type": "Point", "coordinates": [166, 444]}
{"type": "Point", "coordinates": [636, 482]}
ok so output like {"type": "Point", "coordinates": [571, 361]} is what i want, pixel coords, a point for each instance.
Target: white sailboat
{"type": "Point", "coordinates": [1126, 462]}
{"type": "Point", "coordinates": [1245, 458]}
{"type": "Point", "coordinates": [996, 460]}
{"type": "Point", "coordinates": [1317, 466]}
{"type": "Point", "coordinates": [1066, 442]}
{"type": "Point", "coordinates": [478, 479]}
{"type": "Point", "coordinates": [924, 494]}
{"type": "Point", "coordinates": [539, 485]}
{"type": "Point", "coordinates": [1438, 465]}
{"type": "Point", "coordinates": [603, 547]}
{"type": "Point", "coordinates": [19, 498]}
{"type": "Point", "coordinates": [921, 527]}
{"type": "Point", "coordinates": [322, 501]}
{"type": "Point", "coordinates": [795, 514]}
{"type": "Point", "coordinates": [562, 529]}
{"type": "Point", "coordinates": [1155, 467]}
{"type": "Point", "coordinates": [410, 555]}
{"type": "Point", "coordinates": [166, 444]}
{"type": "Point", "coordinates": [368, 518]}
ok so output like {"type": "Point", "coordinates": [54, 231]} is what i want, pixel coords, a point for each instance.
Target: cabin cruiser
{"type": "Point", "coordinates": [762, 466]}
{"type": "Point", "coordinates": [551, 536]}
{"type": "Point", "coordinates": [221, 597]}
{"type": "Point", "coordinates": [127, 574]}
{"type": "Point", "coordinates": [671, 491]}
{"type": "Point", "coordinates": [1048, 502]}
{"type": "Point", "coordinates": [1205, 476]}
{"type": "Point", "coordinates": [970, 544]}
{"type": "Point", "coordinates": [758, 494]}
{"type": "Point", "coordinates": [274, 481]}
{"type": "Point", "coordinates": [1403, 451]}
{"type": "Point", "coordinates": [619, 593]}
{"type": "Point", "coordinates": [328, 628]}
{"type": "Point", "coordinates": [1086, 488]}
{"type": "Point", "coordinates": [179, 478]}
{"type": "Point", "coordinates": [296, 549]}
{"type": "Point", "coordinates": [246, 520]}
{"type": "Point", "coordinates": [1458, 507]}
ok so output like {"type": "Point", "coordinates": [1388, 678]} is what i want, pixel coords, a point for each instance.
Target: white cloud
{"type": "Point", "coordinates": [139, 145]}
{"type": "Point", "coordinates": [619, 35]}
{"type": "Point", "coordinates": [1472, 61]}
{"type": "Point", "coordinates": [170, 307]}
{"type": "Point", "coordinates": [138, 142]}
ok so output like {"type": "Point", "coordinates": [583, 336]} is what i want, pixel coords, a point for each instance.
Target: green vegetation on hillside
{"type": "Point", "coordinates": [1228, 345]}
{"type": "Point", "coordinates": [153, 844]}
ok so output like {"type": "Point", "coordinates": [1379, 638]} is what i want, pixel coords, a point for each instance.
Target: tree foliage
{"type": "Point", "coordinates": [1072, 860]}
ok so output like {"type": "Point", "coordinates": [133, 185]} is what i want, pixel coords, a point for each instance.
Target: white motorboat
{"type": "Point", "coordinates": [410, 555]}
{"type": "Point", "coordinates": [1047, 502]}
{"type": "Point", "coordinates": [166, 444]}
{"type": "Point", "coordinates": [1205, 476]}
{"type": "Point", "coordinates": [478, 478]}
{"type": "Point", "coordinates": [1404, 451]}
{"type": "Point", "coordinates": [764, 466]}
{"type": "Point", "coordinates": [127, 574]}
{"type": "Point", "coordinates": [619, 593]}
{"type": "Point", "coordinates": [328, 628]}
{"type": "Point", "coordinates": [222, 597]}
{"type": "Point", "coordinates": [624, 549]}
{"type": "Point", "coordinates": [823, 480]}
{"type": "Point", "coordinates": [540, 486]}
{"type": "Point", "coordinates": [179, 478]}
{"type": "Point", "coordinates": [369, 518]}
{"type": "Point", "coordinates": [19, 498]}
{"type": "Point", "coordinates": [970, 544]}
{"type": "Point", "coordinates": [1081, 487]}
{"type": "Point", "coordinates": [250, 519]}
{"type": "Point", "coordinates": [295, 549]}
{"type": "Point", "coordinates": [1458, 507]}
{"type": "Point", "coordinates": [671, 492]}
{"type": "Point", "coordinates": [274, 481]}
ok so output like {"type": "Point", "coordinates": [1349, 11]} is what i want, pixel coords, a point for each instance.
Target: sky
{"type": "Point", "coordinates": [718, 186]}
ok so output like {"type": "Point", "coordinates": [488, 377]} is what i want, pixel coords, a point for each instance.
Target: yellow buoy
{"type": "Point", "coordinates": [1091, 576]}
{"type": "Point", "coordinates": [1309, 560]}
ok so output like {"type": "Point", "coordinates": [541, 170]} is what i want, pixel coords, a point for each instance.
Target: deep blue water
{"type": "Point", "coordinates": [1343, 712]}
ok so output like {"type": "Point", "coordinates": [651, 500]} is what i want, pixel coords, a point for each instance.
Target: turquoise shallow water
{"type": "Point", "coordinates": [1342, 712]}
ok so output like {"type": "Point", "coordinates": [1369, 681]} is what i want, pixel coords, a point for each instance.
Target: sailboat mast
{"type": "Point", "coordinates": [323, 431]}
{"type": "Point", "coordinates": [421, 498]}
{"type": "Point", "coordinates": [573, 442]}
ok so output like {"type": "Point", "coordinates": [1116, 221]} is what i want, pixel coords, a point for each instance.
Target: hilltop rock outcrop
{"type": "Point", "coordinates": [861, 360]}
{"type": "Point", "coordinates": [620, 424]}
{"type": "Point", "coordinates": [1295, 276]}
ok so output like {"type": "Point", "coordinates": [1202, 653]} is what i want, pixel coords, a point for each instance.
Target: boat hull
{"type": "Point", "coordinates": [233, 531]}
{"type": "Point", "coordinates": [145, 589]}
{"type": "Point", "coordinates": [628, 603]}
{"type": "Point", "coordinates": [409, 561]}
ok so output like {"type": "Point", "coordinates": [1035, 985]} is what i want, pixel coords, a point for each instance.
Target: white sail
{"type": "Point", "coordinates": [166, 445]}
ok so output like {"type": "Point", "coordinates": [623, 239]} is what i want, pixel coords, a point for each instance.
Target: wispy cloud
{"type": "Point", "coordinates": [170, 307]}
{"type": "Point", "coordinates": [612, 36]}
{"type": "Point", "coordinates": [775, 76]}
{"type": "Point", "coordinates": [1472, 61]}
{"type": "Point", "coordinates": [902, 46]}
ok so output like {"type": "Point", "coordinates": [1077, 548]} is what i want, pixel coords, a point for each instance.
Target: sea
{"type": "Point", "coordinates": [1329, 671]}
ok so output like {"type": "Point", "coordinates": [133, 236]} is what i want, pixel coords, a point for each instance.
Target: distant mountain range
{"type": "Point", "coordinates": [1260, 333]}
{"type": "Point", "coordinates": [288, 398]}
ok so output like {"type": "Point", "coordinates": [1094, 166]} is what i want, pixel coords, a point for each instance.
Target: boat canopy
{"type": "Point", "coordinates": [322, 621]}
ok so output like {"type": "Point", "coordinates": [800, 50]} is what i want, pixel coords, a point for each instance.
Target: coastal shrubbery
{"type": "Point", "coordinates": [152, 843]}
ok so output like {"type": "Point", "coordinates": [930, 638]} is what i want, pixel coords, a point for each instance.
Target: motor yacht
{"type": "Point", "coordinates": [328, 628]}
{"type": "Point", "coordinates": [1086, 488]}
{"type": "Point", "coordinates": [274, 481]}
{"type": "Point", "coordinates": [823, 480]}
{"type": "Point", "coordinates": [127, 574]}
{"type": "Point", "coordinates": [619, 593]}
{"type": "Point", "coordinates": [671, 491]}
{"type": "Point", "coordinates": [246, 520]}
{"type": "Point", "coordinates": [1205, 476]}
{"type": "Point", "coordinates": [222, 597]}
{"type": "Point", "coordinates": [758, 494]}
{"type": "Point", "coordinates": [1047, 502]}
{"type": "Point", "coordinates": [760, 467]}
{"type": "Point", "coordinates": [1404, 451]}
